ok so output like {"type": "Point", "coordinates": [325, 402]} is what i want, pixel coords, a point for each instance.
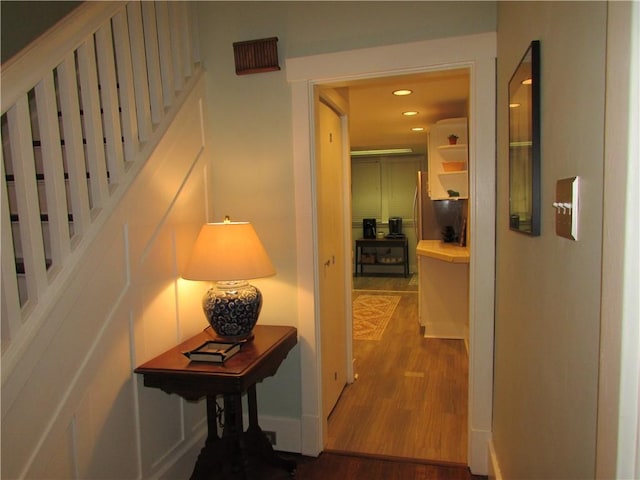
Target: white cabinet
{"type": "Point", "coordinates": [449, 163]}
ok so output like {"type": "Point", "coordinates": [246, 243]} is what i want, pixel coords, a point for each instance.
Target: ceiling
{"type": "Point", "coordinates": [376, 120]}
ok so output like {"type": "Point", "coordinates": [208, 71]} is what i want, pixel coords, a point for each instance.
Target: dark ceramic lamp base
{"type": "Point", "coordinates": [232, 309]}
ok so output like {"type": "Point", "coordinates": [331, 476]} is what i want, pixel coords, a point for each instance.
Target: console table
{"type": "Point", "coordinates": [401, 243]}
{"type": "Point", "coordinates": [237, 454]}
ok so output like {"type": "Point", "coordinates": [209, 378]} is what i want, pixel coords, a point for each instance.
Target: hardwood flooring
{"type": "Point", "coordinates": [410, 397]}
{"type": "Point", "coordinates": [337, 466]}
{"type": "Point", "coordinates": [329, 466]}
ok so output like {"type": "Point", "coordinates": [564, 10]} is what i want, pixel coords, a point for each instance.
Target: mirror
{"type": "Point", "coordinates": [524, 144]}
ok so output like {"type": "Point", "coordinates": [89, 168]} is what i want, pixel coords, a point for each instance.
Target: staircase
{"type": "Point", "coordinates": [83, 107]}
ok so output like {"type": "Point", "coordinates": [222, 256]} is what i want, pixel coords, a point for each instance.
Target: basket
{"type": "Point", "coordinates": [368, 258]}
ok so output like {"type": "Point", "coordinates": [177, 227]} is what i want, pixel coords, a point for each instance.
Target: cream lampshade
{"type": "Point", "coordinates": [229, 253]}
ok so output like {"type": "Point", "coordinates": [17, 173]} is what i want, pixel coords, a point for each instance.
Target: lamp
{"type": "Point", "coordinates": [229, 253]}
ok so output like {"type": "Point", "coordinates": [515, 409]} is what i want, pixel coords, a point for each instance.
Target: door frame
{"type": "Point", "coordinates": [478, 53]}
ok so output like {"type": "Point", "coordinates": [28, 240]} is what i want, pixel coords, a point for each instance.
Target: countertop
{"type": "Point", "coordinates": [447, 252]}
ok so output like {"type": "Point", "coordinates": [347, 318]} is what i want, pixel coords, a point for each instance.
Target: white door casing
{"type": "Point", "coordinates": [477, 52]}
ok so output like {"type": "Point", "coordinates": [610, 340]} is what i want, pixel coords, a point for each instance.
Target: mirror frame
{"type": "Point", "coordinates": [524, 144]}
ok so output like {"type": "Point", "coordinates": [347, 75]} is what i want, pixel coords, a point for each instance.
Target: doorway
{"type": "Point", "coordinates": [477, 52]}
{"type": "Point", "coordinates": [416, 381]}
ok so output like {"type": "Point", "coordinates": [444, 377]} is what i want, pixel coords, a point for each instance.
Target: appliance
{"type": "Point", "coordinates": [437, 219]}
{"type": "Point", "coordinates": [368, 228]}
{"type": "Point", "coordinates": [229, 253]}
{"type": "Point", "coordinates": [395, 228]}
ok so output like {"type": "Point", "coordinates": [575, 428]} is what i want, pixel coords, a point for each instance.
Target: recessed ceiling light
{"type": "Point", "coordinates": [418, 129]}
{"type": "Point", "coordinates": [410, 113]}
{"type": "Point", "coordinates": [402, 92]}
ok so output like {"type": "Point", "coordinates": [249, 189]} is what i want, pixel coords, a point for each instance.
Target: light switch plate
{"type": "Point", "coordinates": [566, 205]}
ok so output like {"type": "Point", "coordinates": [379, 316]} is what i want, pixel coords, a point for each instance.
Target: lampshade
{"type": "Point", "coordinates": [228, 251]}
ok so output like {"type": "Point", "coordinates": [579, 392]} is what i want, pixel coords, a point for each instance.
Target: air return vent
{"type": "Point", "coordinates": [256, 56]}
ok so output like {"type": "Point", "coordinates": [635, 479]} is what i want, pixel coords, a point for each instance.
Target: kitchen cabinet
{"type": "Point", "coordinates": [449, 163]}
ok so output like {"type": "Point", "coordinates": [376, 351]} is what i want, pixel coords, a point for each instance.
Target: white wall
{"type": "Point", "coordinates": [548, 288]}
{"type": "Point", "coordinates": [73, 408]}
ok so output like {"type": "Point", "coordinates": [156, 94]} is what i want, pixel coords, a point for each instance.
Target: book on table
{"type": "Point", "coordinates": [213, 351]}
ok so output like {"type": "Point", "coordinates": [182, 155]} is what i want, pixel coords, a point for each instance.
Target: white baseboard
{"type": "Point", "coordinates": [445, 330]}
{"type": "Point", "coordinates": [311, 436]}
{"type": "Point", "coordinates": [494, 467]}
{"type": "Point", "coordinates": [287, 430]}
{"type": "Point", "coordinates": [479, 451]}
{"type": "Point", "coordinates": [180, 463]}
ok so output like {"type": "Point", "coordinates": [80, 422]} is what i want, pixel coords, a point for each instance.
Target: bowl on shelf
{"type": "Point", "coordinates": [454, 166]}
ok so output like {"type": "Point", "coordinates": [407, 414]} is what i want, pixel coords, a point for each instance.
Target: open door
{"type": "Point", "coordinates": [331, 255]}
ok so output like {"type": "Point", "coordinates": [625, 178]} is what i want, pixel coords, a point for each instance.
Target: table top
{"type": "Point", "coordinates": [257, 359]}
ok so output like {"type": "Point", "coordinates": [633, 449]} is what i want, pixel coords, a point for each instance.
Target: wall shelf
{"type": "Point", "coordinates": [443, 175]}
{"type": "Point", "coordinates": [453, 153]}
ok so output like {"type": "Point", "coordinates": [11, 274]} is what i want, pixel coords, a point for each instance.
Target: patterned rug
{"type": "Point", "coordinates": [371, 314]}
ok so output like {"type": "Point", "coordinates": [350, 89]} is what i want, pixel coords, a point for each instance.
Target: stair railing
{"type": "Point", "coordinates": [82, 108]}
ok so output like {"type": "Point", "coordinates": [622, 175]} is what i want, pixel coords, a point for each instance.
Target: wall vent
{"type": "Point", "coordinates": [256, 56]}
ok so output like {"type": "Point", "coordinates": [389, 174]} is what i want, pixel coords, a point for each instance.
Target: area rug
{"type": "Point", "coordinates": [371, 315]}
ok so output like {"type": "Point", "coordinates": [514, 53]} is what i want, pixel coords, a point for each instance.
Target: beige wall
{"type": "Point", "coordinates": [548, 288]}
{"type": "Point", "coordinates": [251, 126]}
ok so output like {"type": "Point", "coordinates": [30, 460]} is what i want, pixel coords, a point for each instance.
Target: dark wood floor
{"type": "Point", "coordinates": [329, 466]}
{"type": "Point", "coordinates": [410, 398]}
{"type": "Point", "coordinates": [336, 466]}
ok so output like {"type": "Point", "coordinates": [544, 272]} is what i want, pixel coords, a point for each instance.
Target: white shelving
{"type": "Point", "coordinates": [453, 153]}
{"type": "Point", "coordinates": [448, 164]}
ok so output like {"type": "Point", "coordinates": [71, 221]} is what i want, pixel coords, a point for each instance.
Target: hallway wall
{"type": "Point", "coordinates": [547, 287]}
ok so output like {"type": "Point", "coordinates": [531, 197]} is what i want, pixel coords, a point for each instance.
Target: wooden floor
{"type": "Point", "coordinates": [329, 466]}
{"type": "Point", "coordinates": [410, 397]}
